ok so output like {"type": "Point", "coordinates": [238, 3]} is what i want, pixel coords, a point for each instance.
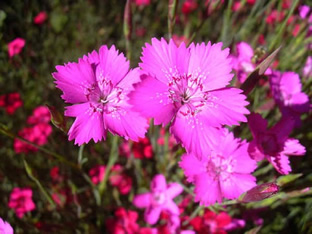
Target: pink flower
{"type": "Point", "coordinates": [41, 17]}
{"type": "Point", "coordinates": [120, 179]}
{"type": "Point", "coordinates": [286, 90]}
{"type": "Point", "coordinates": [21, 201]}
{"type": "Point", "coordinates": [5, 227]}
{"type": "Point", "coordinates": [273, 144]}
{"type": "Point", "coordinates": [55, 174]}
{"type": "Point", "coordinates": [11, 102]}
{"type": "Point", "coordinates": [37, 134]}
{"type": "Point", "coordinates": [141, 149]}
{"type": "Point", "coordinates": [41, 114]}
{"type": "Point", "coordinates": [160, 198]}
{"type": "Point", "coordinates": [16, 46]}
{"type": "Point", "coordinates": [307, 69]}
{"type": "Point", "coordinates": [226, 172]}
{"type": "Point", "coordinates": [304, 11]}
{"type": "Point", "coordinates": [142, 2]}
{"type": "Point", "coordinates": [186, 87]}
{"type": "Point", "coordinates": [242, 61]}
{"type": "Point", "coordinates": [189, 6]}
{"type": "Point", "coordinates": [124, 222]}
{"type": "Point", "coordinates": [97, 174]}
{"type": "Point", "coordinates": [98, 86]}
{"type": "Point", "coordinates": [179, 39]}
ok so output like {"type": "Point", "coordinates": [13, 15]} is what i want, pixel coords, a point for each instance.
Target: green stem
{"type": "Point", "coordinates": [42, 149]}
{"type": "Point", "coordinates": [32, 177]}
{"type": "Point", "coordinates": [113, 156]}
{"type": "Point", "coordinates": [172, 10]}
{"type": "Point", "coordinates": [195, 212]}
{"type": "Point", "coordinates": [80, 154]}
{"type": "Point", "coordinates": [283, 26]}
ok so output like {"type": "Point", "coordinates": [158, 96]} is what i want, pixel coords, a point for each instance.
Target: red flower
{"type": "Point", "coordinates": [189, 6]}
{"type": "Point", "coordinates": [211, 222]}
{"type": "Point", "coordinates": [16, 46]}
{"type": "Point", "coordinates": [11, 102]}
{"type": "Point", "coordinates": [124, 222]}
{"type": "Point", "coordinates": [41, 17]}
{"type": "Point", "coordinates": [119, 179]}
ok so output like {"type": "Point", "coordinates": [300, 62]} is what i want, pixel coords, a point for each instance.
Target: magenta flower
{"type": "Point", "coordinates": [186, 87]}
{"type": "Point", "coordinates": [273, 144]}
{"type": "Point", "coordinates": [158, 199]}
{"type": "Point", "coordinates": [225, 173]}
{"type": "Point", "coordinates": [97, 173]}
{"type": "Point", "coordinates": [307, 69]}
{"type": "Point", "coordinates": [286, 90]}
{"type": "Point", "coordinates": [242, 62]}
{"type": "Point", "coordinates": [21, 201]}
{"type": "Point", "coordinates": [304, 11]}
{"type": "Point", "coordinates": [98, 86]}
{"type": "Point", "coordinates": [5, 227]}
{"type": "Point", "coordinates": [16, 46]}
{"type": "Point", "coordinates": [41, 17]}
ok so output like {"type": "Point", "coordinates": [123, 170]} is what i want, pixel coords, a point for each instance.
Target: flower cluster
{"type": "Point", "coordinates": [38, 131]}
{"type": "Point", "coordinates": [21, 201]}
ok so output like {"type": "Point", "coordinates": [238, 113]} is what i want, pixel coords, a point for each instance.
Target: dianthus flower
{"type": "Point", "coordinates": [242, 61]}
{"type": "Point", "coordinates": [186, 86]}
{"type": "Point", "coordinates": [273, 144]}
{"type": "Point", "coordinates": [160, 198]}
{"type": "Point", "coordinates": [286, 90]}
{"type": "Point", "coordinates": [211, 223]}
{"type": "Point", "coordinates": [37, 134]}
{"type": "Point", "coordinates": [98, 86]}
{"type": "Point", "coordinates": [21, 201]}
{"type": "Point", "coordinates": [141, 149]}
{"type": "Point", "coordinates": [97, 174]}
{"type": "Point", "coordinates": [307, 69]}
{"type": "Point", "coordinates": [5, 227]}
{"type": "Point", "coordinates": [11, 102]}
{"type": "Point", "coordinates": [41, 17]}
{"type": "Point", "coordinates": [16, 46]}
{"type": "Point", "coordinates": [124, 222]}
{"type": "Point", "coordinates": [119, 179]}
{"type": "Point", "coordinates": [41, 114]}
{"type": "Point", "coordinates": [224, 173]}
{"type": "Point", "coordinates": [142, 2]}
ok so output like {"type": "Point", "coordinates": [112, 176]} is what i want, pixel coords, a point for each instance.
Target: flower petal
{"type": "Point", "coordinates": [172, 207]}
{"type": "Point", "coordinates": [234, 185]}
{"type": "Point", "coordinates": [207, 190]}
{"type": "Point", "coordinates": [192, 166]}
{"type": "Point", "coordinates": [194, 133]}
{"type": "Point", "coordinates": [173, 190]}
{"type": "Point", "coordinates": [281, 163]}
{"type": "Point", "coordinates": [142, 200]}
{"type": "Point", "coordinates": [151, 99]}
{"type": "Point", "coordinates": [158, 183]}
{"type": "Point", "coordinates": [124, 122]}
{"type": "Point", "coordinates": [152, 214]}
{"type": "Point", "coordinates": [210, 63]}
{"type": "Point", "coordinates": [225, 106]}
{"type": "Point", "coordinates": [113, 66]}
{"type": "Point", "coordinates": [88, 124]}
{"type": "Point", "coordinates": [292, 147]}
{"type": "Point", "coordinates": [73, 79]}
{"type": "Point", "coordinates": [164, 61]}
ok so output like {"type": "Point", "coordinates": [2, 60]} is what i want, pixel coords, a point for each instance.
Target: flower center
{"type": "Point", "coordinates": [103, 96]}
{"type": "Point", "coordinates": [269, 144]}
{"type": "Point", "coordinates": [159, 198]}
{"type": "Point", "coordinates": [184, 90]}
{"type": "Point", "coordinates": [219, 168]}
